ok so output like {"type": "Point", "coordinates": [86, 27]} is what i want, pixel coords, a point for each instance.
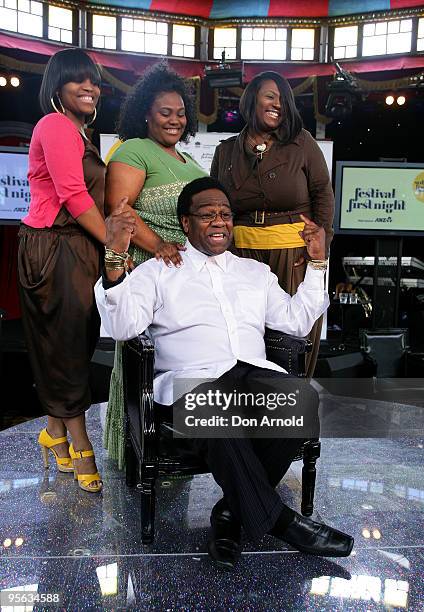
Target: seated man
{"type": "Point", "coordinates": [207, 320]}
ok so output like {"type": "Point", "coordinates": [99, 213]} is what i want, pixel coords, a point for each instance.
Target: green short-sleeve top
{"type": "Point", "coordinates": [156, 203]}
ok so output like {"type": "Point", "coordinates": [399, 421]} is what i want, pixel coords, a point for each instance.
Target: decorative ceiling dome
{"type": "Point", "coordinates": [234, 9]}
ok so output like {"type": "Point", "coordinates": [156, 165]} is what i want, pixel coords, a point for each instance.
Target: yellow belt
{"type": "Point", "coordinates": [285, 236]}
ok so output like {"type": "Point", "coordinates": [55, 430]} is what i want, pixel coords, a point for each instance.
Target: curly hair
{"type": "Point", "coordinates": [157, 79]}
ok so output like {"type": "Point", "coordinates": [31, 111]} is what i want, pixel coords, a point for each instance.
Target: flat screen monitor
{"type": "Point", "coordinates": [379, 198]}
{"type": "Point", "coordinates": [14, 188]}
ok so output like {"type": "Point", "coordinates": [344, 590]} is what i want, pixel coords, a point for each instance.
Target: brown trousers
{"type": "Point", "coordinates": [281, 262]}
{"type": "Point", "coordinates": [57, 269]}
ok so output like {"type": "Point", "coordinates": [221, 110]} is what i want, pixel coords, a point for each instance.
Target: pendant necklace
{"type": "Point", "coordinates": [259, 149]}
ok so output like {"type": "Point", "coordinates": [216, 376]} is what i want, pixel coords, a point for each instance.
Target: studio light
{"type": "Point", "coordinates": [3, 81]}
{"type": "Point", "coordinates": [224, 75]}
{"type": "Point", "coordinates": [223, 78]}
{"type": "Point", "coordinates": [417, 80]}
{"type": "Point", "coordinates": [401, 100]}
{"type": "Point", "coordinates": [15, 81]}
{"type": "Point", "coordinates": [389, 100]}
{"type": "Point", "coordinates": [231, 116]}
{"type": "Point", "coordinates": [339, 105]}
{"type": "Point", "coordinates": [344, 93]}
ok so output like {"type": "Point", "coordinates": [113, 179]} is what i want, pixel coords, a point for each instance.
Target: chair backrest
{"type": "Point", "coordinates": [138, 364]}
{"type": "Point", "coordinates": [387, 348]}
{"type": "Point", "coordinates": [287, 351]}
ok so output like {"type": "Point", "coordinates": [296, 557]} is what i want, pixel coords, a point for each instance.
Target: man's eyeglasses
{"type": "Point", "coordinates": [211, 216]}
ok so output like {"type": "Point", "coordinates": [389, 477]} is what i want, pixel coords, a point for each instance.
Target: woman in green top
{"type": "Point", "coordinates": [150, 172]}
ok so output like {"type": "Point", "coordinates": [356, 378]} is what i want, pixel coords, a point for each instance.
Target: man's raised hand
{"type": "Point", "coordinates": [314, 237]}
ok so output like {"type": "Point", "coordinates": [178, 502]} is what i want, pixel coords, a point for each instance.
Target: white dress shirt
{"type": "Point", "coordinates": [207, 314]}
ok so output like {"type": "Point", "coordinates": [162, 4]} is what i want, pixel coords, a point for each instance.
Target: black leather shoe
{"type": "Point", "coordinates": [315, 538]}
{"type": "Point", "coordinates": [224, 546]}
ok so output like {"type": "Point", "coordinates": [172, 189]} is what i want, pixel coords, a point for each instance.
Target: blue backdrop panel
{"type": "Point", "coordinates": [349, 7]}
{"type": "Point", "coordinates": [222, 9]}
{"type": "Point", "coordinates": [136, 4]}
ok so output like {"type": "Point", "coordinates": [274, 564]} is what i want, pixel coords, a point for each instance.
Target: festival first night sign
{"type": "Point", "coordinates": [381, 197]}
{"type": "Point", "coordinates": [14, 186]}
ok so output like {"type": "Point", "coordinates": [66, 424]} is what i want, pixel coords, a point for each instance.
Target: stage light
{"type": "Point", "coordinates": [3, 81]}
{"type": "Point", "coordinates": [339, 105]}
{"type": "Point", "coordinates": [417, 80]}
{"type": "Point", "coordinates": [389, 100]}
{"type": "Point", "coordinates": [343, 94]}
{"type": "Point", "coordinates": [14, 81]}
{"type": "Point", "coordinates": [19, 541]}
{"type": "Point", "coordinates": [231, 116]}
{"type": "Point", "coordinates": [366, 533]}
{"type": "Point", "coordinates": [224, 75]}
{"type": "Point", "coordinates": [222, 78]}
{"type": "Point", "coordinates": [7, 543]}
{"type": "Point", "coordinates": [401, 100]}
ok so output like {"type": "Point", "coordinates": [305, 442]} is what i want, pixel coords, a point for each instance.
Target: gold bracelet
{"type": "Point", "coordinates": [115, 260]}
{"type": "Point", "coordinates": [111, 254]}
{"type": "Point", "coordinates": [318, 264]}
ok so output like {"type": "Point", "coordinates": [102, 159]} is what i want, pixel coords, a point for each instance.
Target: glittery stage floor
{"type": "Point", "coordinates": [56, 538]}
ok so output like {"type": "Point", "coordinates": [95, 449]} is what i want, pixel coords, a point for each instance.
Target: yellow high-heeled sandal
{"type": "Point", "coordinates": [46, 442]}
{"type": "Point", "coordinates": [84, 480]}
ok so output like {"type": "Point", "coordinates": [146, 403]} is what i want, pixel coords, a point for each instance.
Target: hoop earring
{"type": "Point", "coordinates": [94, 117]}
{"type": "Point", "coordinates": [62, 111]}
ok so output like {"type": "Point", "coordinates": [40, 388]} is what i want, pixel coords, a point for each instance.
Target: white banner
{"type": "Point", "coordinates": [14, 188]}
{"type": "Point", "coordinates": [202, 147]}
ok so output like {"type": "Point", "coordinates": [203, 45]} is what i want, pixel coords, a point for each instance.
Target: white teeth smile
{"type": "Point", "coordinates": [86, 99]}
{"type": "Point", "coordinates": [273, 114]}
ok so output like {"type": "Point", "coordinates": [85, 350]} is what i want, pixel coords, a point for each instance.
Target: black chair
{"type": "Point", "coordinates": [151, 450]}
{"type": "Point", "coordinates": [388, 350]}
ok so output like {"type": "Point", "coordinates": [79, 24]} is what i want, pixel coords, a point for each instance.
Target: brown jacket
{"type": "Point", "coordinates": [292, 178]}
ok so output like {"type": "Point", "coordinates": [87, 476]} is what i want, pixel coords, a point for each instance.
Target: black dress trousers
{"type": "Point", "coordinates": [249, 469]}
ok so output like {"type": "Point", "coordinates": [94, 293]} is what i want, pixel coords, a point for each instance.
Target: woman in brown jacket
{"type": "Point", "coordinates": [274, 170]}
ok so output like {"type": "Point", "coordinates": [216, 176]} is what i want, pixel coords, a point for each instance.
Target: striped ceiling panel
{"type": "Point", "coordinates": [233, 9]}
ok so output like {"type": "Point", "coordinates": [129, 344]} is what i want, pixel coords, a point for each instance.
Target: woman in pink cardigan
{"type": "Point", "coordinates": [61, 240]}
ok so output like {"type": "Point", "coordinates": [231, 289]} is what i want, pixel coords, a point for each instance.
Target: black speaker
{"type": "Point", "coordinates": [342, 365]}
{"type": "Point", "coordinates": [340, 374]}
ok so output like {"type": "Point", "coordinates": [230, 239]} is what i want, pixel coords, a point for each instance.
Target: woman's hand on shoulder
{"type": "Point", "coordinates": [170, 252]}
